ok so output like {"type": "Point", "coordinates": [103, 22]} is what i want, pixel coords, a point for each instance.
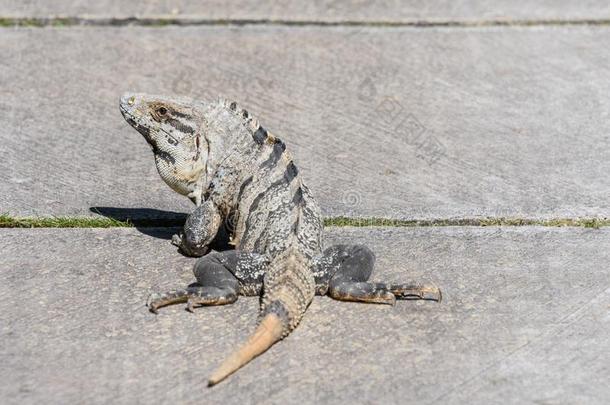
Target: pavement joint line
{"type": "Point", "coordinates": [162, 21]}
{"type": "Point", "coordinates": [7, 221]}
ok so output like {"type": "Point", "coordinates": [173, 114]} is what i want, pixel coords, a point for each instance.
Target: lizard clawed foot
{"type": "Point", "coordinates": [151, 302]}
{"type": "Point", "coordinates": [189, 248]}
{"type": "Point", "coordinates": [416, 292]}
{"type": "Point", "coordinates": [191, 304]}
{"type": "Point", "coordinates": [156, 300]}
{"type": "Point", "coordinates": [195, 297]}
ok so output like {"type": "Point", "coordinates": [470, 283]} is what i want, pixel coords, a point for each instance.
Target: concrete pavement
{"type": "Point", "coordinates": [402, 123]}
{"type": "Point", "coordinates": [524, 320]}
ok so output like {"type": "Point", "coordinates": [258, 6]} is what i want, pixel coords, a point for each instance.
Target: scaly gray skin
{"type": "Point", "coordinates": [242, 177]}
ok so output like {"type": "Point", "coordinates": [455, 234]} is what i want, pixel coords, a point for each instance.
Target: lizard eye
{"type": "Point", "coordinates": [161, 111]}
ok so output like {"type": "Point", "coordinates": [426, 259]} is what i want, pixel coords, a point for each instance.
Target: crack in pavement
{"type": "Point", "coordinates": [162, 21]}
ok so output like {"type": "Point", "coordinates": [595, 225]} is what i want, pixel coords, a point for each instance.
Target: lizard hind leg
{"type": "Point", "coordinates": [382, 293]}
{"type": "Point", "coordinates": [216, 285]}
{"type": "Point", "coordinates": [222, 276]}
{"type": "Point", "coordinates": [354, 265]}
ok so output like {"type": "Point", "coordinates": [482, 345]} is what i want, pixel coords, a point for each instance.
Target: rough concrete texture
{"type": "Point", "coordinates": [406, 123]}
{"type": "Point", "coordinates": [319, 10]}
{"type": "Point", "coordinates": [524, 320]}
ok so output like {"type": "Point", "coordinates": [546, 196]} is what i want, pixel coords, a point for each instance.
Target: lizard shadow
{"type": "Point", "coordinates": [158, 223]}
{"type": "Point", "coordinates": [152, 222]}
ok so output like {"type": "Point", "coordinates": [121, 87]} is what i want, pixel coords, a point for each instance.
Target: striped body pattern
{"type": "Point", "coordinates": [271, 209]}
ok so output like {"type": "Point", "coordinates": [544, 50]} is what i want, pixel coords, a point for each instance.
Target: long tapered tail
{"type": "Point", "coordinates": [268, 332]}
{"type": "Point", "coordinates": [289, 288]}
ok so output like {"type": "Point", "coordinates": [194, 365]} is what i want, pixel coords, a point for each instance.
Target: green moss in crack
{"type": "Point", "coordinates": [7, 221]}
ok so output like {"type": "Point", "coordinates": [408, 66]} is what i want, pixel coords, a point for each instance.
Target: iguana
{"type": "Point", "coordinates": [241, 177]}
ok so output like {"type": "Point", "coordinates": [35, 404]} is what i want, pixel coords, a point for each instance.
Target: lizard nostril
{"type": "Point", "coordinates": [131, 100]}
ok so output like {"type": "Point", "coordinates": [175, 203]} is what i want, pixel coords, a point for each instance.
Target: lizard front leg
{"type": "Point", "coordinates": [199, 230]}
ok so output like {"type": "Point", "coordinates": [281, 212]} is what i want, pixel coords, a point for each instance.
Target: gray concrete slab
{"type": "Point", "coordinates": [332, 10]}
{"type": "Point", "coordinates": [406, 123]}
{"type": "Point", "coordinates": [524, 320]}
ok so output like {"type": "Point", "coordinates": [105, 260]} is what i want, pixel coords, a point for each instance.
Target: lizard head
{"type": "Point", "coordinates": [171, 126]}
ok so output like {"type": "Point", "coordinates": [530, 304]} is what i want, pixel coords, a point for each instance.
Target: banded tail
{"type": "Point", "coordinates": [289, 289]}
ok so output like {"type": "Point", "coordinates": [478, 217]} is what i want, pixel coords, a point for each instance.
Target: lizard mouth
{"type": "Point", "coordinates": [131, 118]}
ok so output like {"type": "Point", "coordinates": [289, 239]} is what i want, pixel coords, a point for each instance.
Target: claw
{"type": "Point", "coordinates": [151, 297]}
{"type": "Point", "coordinates": [432, 294]}
{"type": "Point", "coordinates": [150, 302]}
{"type": "Point", "coordinates": [156, 301]}
{"type": "Point", "coordinates": [190, 305]}
{"type": "Point", "coordinates": [177, 240]}
{"type": "Point", "coordinates": [428, 293]}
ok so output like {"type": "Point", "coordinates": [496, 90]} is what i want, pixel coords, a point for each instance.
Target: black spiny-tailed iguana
{"type": "Point", "coordinates": [237, 173]}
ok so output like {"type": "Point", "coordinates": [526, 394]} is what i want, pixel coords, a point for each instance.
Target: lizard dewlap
{"type": "Point", "coordinates": [243, 179]}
